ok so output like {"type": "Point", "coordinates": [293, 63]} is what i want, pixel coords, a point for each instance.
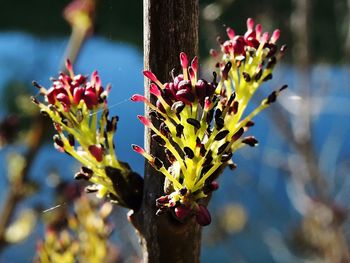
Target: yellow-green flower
{"type": "Point", "coordinates": [203, 123]}
{"type": "Point", "coordinates": [78, 108]}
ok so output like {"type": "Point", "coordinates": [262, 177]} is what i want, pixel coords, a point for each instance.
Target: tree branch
{"type": "Point", "coordinates": [170, 26]}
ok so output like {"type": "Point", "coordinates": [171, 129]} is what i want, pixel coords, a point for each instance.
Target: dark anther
{"type": "Point", "coordinates": [218, 113]}
{"type": "Point", "coordinates": [208, 159]}
{"type": "Point", "coordinates": [86, 170]}
{"type": "Point", "coordinates": [268, 77]}
{"type": "Point", "coordinates": [202, 150]}
{"type": "Point", "coordinates": [195, 123]}
{"type": "Point", "coordinates": [164, 129]}
{"type": "Point", "coordinates": [91, 188]}
{"type": "Point", "coordinates": [225, 157]}
{"type": "Point", "coordinates": [238, 134]}
{"type": "Point", "coordinates": [258, 75]}
{"type": "Point", "coordinates": [219, 122]}
{"type": "Point", "coordinates": [158, 139]}
{"type": "Point", "coordinates": [171, 158]}
{"type": "Point", "coordinates": [251, 141]}
{"type": "Point", "coordinates": [210, 116]}
{"type": "Point", "coordinates": [112, 124]}
{"type": "Point", "coordinates": [283, 87]}
{"type": "Point", "coordinates": [35, 100]}
{"type": "Point", "coordinates": [71, 139]}
{"type": "Point", "coordinates": [234, 107]}
{"type": "Point", "coordinates": [214, 77]}
{"type": "Point", "coordinates": [272, 97]}
{"type": "Point", "coordinates": [246, 76]}
{"type": "Point", "coordinates": [226, 70]}
{"type": "Point", "coordinates": [80, 176]}
{"type": "Point", "coordinates": [206, 169]}
{"type": "Point", "coordinates": [221, 135]}
{"type": "Point", "coordinates": [223, 147]}
{"type": "Point", "coordinates": [198, 142]}
{"type": "Point", "coordinates": [177, 107]}
{"type": "Point", "coordinates": [232, 97]}
{"type": "Point", "coordinates": [44, 112]}
{"type": "Point", "coordinates": [232, 166]}
{"type": "Point", "coordinates": [179, 130]}
{"type": "Point", "coordinates": [57, 140]}
{"type": "Point", "coordinates": [37, 85]}
{"type": "Point", "coordinates": [183, 191]}
{"type": "Point", "coordinates": [153, 114]}
{"type": "Point", "coordinates": [188, 152]}
{"type": "Point", "coordinates": [249, 124]}
{"type": "Point", "coordinates": [271, 63]}
{"type": "Point", "coordinates": [157, 163]}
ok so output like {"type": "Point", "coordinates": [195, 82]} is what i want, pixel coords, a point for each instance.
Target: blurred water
{"type": "Point", "coordinates": [257, 184]}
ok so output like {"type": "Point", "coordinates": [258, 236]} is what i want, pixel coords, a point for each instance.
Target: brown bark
{"type": "Point", "coordinates": [170, 26]}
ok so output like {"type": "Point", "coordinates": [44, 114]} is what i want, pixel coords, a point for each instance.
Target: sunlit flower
{"type": "Point", "coordinates": [78, 108]}
{"type": "Point", "coordinates": [202, 123]}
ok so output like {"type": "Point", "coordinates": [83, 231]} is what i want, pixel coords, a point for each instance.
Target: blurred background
{"type": "Point", "coordinates": [288, 199]}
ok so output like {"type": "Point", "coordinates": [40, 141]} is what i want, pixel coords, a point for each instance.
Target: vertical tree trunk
{"type": "Point", "coordinates": [170, 26]}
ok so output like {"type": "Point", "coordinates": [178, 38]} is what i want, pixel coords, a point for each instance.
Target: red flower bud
{"type": "Point", "coordinates": [238, 45]}
{"type": "Point", "coordinates": [183, 60]}
{"type": "Point", "coordinates": [138, 149]}
{"type": "Point", "coordinates": [138, 98]}
{"type": "Point", "coordinates": [154, 90]}
{"type": "Point", "coordinates": [97, 152]}
{"type": "Point", "coordinates": [90, 99]}
{"type": "Point", "coordinates": [230, 32]}
{"type": "Point", "coordinates": [78, 94]}
{"type": "Point", "coordinates": [148, 74]}
{"type": "Point", "coordinates": [177, 80]}
{"type": "Point", "coordinates": [194, 64]}
{"type": "Point", "coordinates": [203, 216]}
{"type": "Point", "coordinates": [144, 120]}
{"type": "Point", "coordinates": [64, 99]}
{"type": "Point", "coordinates": [201, 89]}
{"type": "Point", "coordinates": [182, 212]}
{"type": "Point", "coordinates": [250, 23]}
{"type": "Point", "coordinates": [185, 95]}
{"type": "Point", "coordinates": [275, 36]}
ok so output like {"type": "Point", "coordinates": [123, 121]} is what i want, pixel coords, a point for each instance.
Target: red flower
{"type": "Point", "coordinates": [70, 90]}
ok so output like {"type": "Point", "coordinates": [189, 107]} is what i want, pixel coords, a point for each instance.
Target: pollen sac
{"type": "Point", "coordinates": [158, 139]}
{"type": "Point", "coordinates": [195, 123]}
{"type": "Point", "coordinates": [178, 106]}
{"type": "Point", "coordinates": [189, 152]}
{"type": "Point", "coordinates": [251, 141]}
{"type": "Point", "coordinates": [221, 135]}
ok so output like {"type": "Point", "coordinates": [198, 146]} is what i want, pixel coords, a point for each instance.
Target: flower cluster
{"type": "Point", "coordinates": [78, 108]}
{"type": "Point", "coordinates": [202, 123]}
{"type": "Point", "coordinates": [83, 237]}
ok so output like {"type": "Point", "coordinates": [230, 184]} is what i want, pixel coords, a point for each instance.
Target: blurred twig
{"type": "Point", "coordinates": [15, 193]}
{"type": "Point", "coordinates": [80, 15]}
